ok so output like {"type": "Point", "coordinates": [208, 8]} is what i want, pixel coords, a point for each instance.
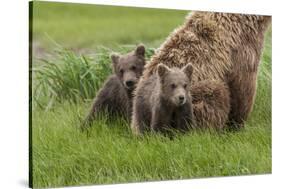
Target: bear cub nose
{"type": "Point", "coordinates": [129, 83]}
{"type": "Point", "coordinates": [181, 99]}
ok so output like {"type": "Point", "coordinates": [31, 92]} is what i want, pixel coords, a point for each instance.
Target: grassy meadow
{"type": "Point", "coordinates": [77, 26]}
{"type": "Point", "coordinates": [65, 81]}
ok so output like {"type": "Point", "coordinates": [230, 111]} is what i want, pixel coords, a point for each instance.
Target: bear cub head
{"type": "Point", "coordinates": [129, 67]}
{"type": "Point", "coordinates": [175, 84]}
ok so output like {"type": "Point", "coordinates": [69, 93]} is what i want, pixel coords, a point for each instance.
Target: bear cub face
{"type": "Point", "coordinates": [175, 84]}
{"type": "Point", "coordinates": [129, 67]}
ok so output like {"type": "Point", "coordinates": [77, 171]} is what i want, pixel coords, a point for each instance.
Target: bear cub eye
{"type": "Point", "coordinates": [133, 68]}
{"type": "Point", "coordinates": [185, 85]}
{"type": "Point", "coordinates": [173, 86]}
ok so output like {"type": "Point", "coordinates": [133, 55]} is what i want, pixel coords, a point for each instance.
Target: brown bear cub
{"type": "Point", "coordinates": [115, 97]}
{"type": "Point", "coordinates": [163, 101]}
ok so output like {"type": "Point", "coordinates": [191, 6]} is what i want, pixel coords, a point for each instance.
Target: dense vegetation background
{"type": "Point", "coordinates": [71, 47]}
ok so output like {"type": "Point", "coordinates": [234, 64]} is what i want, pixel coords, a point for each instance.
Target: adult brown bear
{"type": "Point", "coordinates": [225, 51]}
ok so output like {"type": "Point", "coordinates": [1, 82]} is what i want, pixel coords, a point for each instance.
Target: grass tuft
{"type": "Point", "coordinates": [72, 77]}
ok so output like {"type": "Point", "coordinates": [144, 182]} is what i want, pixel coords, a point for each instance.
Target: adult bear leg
{"type": "Point", "coordinates": [242, 84]}
{"type": "Point", "coordinates": [242, 95]}
{"type": "Point", "coordinates": [211, 103]}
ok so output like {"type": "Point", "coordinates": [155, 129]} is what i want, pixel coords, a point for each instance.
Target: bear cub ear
{"type": "Point", "coordinates": [140, 50]}
{"type": "Point", "coordinates": [115, 58]}
{"type": "Point", "coordinates": [162, 70]}
{"type": "Point", "coordinates": [188, 70]}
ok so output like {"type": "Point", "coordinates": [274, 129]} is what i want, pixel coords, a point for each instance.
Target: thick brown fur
{"type": "Point", "coordinates": [163, 101]}
{"type": "Point", "coordinates": [222, 47]}
{"type": "Point", "coordinates": [115, 97]}
{"type": "Point", "coordinates": [211, 103]}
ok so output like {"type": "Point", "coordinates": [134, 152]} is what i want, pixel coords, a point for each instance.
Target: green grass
{"type": "Point", "coordinates": [79, 25]}
{"type": "Point", "coordinates": [72, 77]}
{"type": "Point", "coordinates": [64, 156]}
{"type": "Point", "coordinates": [109, 154]}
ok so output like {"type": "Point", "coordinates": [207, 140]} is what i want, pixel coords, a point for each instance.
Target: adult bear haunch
{"type": "Point", "coordinates": [163, 101]}
{"type": "Point", "coordinates": [115, 97]}
{"type": "Point", "coordinates": [224, 49]}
